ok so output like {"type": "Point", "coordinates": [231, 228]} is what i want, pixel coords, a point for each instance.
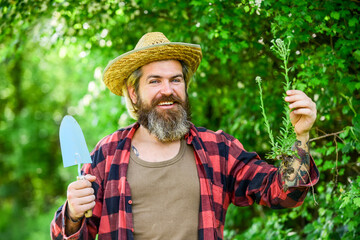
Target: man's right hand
{"type": "Point", "coordinates": [80, 196]}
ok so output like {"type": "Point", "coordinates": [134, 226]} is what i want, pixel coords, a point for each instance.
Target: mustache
{"type": "Point", "coordinates": [170, 98]}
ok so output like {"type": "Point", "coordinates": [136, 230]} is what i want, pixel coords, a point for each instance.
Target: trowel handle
{"type": "Point", "coordinates": [88, 213]}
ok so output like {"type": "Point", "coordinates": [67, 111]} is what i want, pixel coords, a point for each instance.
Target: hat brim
{"type": "Point", "coordinates": [119, 69]}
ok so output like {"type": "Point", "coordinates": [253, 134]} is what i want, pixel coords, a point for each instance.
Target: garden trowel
{"type": "Point", "coordinates": [73, 146]}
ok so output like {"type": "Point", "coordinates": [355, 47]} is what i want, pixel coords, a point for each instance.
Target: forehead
{"type": "Point", "coordinates": [166, 68]}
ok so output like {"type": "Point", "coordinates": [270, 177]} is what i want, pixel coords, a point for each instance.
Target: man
{"type": "Point", "coordinates": [164, 178]}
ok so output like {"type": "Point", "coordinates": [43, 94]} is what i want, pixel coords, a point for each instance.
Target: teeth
{"type": "Point", "coordinates": [165, 103]}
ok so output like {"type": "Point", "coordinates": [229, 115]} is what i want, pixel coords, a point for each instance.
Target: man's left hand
{"type": "Point", "coordinates": [303, 112]}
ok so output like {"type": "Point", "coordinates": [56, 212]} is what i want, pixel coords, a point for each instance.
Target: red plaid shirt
{"type": "Point", "coordinates": [227, 174]}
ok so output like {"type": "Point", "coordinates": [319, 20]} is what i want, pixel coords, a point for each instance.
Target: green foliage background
{"type": "Point", "coordinates": [52, 55]}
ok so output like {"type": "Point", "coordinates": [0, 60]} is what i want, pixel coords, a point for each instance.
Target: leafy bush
{"type": "Point", "coordinates": [52, 55]}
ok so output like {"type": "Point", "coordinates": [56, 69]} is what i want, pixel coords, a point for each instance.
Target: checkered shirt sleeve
{"type": "Point", "coordinates": [232, 175]}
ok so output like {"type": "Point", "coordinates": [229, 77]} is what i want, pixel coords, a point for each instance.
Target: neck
{"type": "Point", "coordinates": [150, 149]}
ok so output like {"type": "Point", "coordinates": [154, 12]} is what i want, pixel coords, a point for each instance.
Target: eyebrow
{"type": "Point", "coordinates": [158, 76]}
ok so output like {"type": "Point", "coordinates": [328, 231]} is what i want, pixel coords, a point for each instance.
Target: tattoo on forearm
{"type": "Point", "coordinates": [295, 169]}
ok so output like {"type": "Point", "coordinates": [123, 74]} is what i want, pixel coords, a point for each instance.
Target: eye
{"type": "Point", "coordinates": [153, 81]}
{"type": "Point", "coordinates": [177, 80]}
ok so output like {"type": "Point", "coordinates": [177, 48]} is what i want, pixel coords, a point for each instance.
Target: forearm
{"type": "Point", "coordinates": [295, 170]}
{"type": "Point", "coordinates": [71, 227]}
{"type": "Point", "coordinates": [61, 227]}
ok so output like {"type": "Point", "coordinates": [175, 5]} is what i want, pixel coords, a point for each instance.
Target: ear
{"type": "Point", "coordinates": [132, 94]}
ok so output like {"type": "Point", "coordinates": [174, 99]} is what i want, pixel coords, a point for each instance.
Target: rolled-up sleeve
{"type": "Point", "coordinates": [257, 181]}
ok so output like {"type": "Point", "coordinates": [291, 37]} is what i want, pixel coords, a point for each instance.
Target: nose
{"type": "Point", "coordinates": [166, 88]}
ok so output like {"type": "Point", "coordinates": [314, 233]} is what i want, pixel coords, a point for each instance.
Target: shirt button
{"type": "Point", "coordinates": [130, 202]}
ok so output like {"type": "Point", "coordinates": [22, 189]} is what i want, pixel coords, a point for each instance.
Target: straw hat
{"type": "Point", "coordinates": [153, 46]}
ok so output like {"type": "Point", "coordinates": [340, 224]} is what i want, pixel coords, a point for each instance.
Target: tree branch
{"type": "Point", "coordinates": [326, 135]}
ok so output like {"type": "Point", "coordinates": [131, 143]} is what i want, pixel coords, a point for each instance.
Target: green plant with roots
{"type": "Point", "coordinates": [282, 149]}
{"type": "Point", "coordinates": [282, 146]}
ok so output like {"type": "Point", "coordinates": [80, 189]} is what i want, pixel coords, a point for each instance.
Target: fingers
{"type": "Point", "coordinates": [80, 196]}
{"type": "Point", "coordinates": [77, 211]}
{"type": "Point", "coordinates": [307, 103]}
{"type": "Point", "coordinates": [83, 208]}
{"type": "Point", "coordinates": [80, 184]}
{"type": "Point", "coordinates": [82, 192]}
{"type": "Point", "coordinates": [303, 111]}
{"type": "Point", "coordinates": [299, 100]}
{"type": "Point", "coordinates": [296, 95]}
{"type": "Point", "coordinates": [90, 178]}
{"type": "Point", "coordinates": [294, 92]}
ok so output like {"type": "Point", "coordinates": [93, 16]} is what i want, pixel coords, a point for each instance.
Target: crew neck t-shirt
{"type": "Point", "coordinates": [165, 196]}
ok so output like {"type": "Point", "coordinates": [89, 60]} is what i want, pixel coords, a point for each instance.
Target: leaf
{"type": "Point", "coordinates": [328, 165]}
{"type": "Point", "coordinates": [345, 202]}
{"type": "Point", "coordinates": [224, 34]}
{"type": "Point", "coordinates": [293, 215]}
{"type": "Point", "coordinates": [225, 20]}
{"type": "Point", "coordinates": [184, 14]}
{"type": "Point", "coordinates": [347, 147]}
{"type": "Point", "coordinates": [356, 122]}
{"type": "Point", "coordinates": [330, 151]}
{"type": "Point", "coordinates": [308, 18]}
{"type": "Point", "coordinates": [335, 15]}
{"type": "Point", "coordinates": [247, 8]}
{"type": "Point", "coordinates": [353, 22]}
{"type": "Point", "coordinates": [356, 55]}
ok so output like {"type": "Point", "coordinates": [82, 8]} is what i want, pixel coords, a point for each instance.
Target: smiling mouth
{"type": "Point", "coordinates": [169, 103]}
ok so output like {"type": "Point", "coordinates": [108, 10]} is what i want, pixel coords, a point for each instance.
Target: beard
{"type": "Point", "coordinates": [166, 125]}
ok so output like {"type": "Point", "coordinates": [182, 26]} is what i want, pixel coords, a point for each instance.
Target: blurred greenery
{"type": "Point", "coordinates": [52, 55]}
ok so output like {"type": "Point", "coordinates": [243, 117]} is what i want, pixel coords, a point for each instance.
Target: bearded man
{"type": "Point", "coordinates": [164, 178]}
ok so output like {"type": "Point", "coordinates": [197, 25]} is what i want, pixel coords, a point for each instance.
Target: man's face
{"type": "Point", "coordinates": [161, 100]}
{"type": "Point", "coordinates": [159, 80]}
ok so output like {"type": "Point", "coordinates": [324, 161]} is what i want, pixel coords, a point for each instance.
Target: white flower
{"type": "Point", "coordinates": [258, 3]}
{"type": "Point", "coordinates": [258, 79]}
{"type": "Point", "coordinates": [279, 42]}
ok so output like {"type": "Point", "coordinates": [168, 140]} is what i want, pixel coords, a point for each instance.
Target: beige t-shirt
{"type": "Point", "coordinates": [165, 196]}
